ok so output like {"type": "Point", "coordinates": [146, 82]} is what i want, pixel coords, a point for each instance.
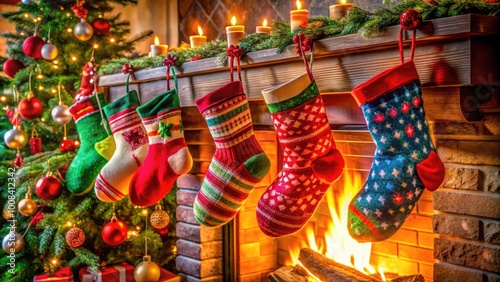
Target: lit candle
{"type": "Point", "coordinates": [338, 11]}
{"type": "Point", "coordinates": [197, 40]}
{"type": "Point", "coordinates": [158, 49]}
{"type": "Point", "coordinates": [234, 33]}
{"type": "Point", "coordinates": [263, 28]}
{"type": "Point", "coordinates": [299, 17]}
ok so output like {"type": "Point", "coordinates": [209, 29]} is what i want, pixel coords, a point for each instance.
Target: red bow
{"type": "Point", "coordinates": [234, 52]}
{"type": "Point", "coordinates": [127, 69]}
{"type": "Point", "coordinates": [79, 11]}
{"type": "Point", "coordinates": [302, 45]}
{"type": "Point", "coordinates": [169, 62]}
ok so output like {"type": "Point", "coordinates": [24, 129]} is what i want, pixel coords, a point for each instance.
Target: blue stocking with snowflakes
{"type": "Point", "coordinates": [405, 162]}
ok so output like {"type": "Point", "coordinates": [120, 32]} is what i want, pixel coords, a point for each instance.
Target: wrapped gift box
{"type": "Point", "coordinates": [167, 276]}
{"type": "Point", "coordinates": [62, 275]}
{"type": "Point", "coordinates": [123, 272]}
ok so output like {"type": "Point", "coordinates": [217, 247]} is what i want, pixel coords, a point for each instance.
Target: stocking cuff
{"type": "Point", "coordinates": [87, 106]}
{"type": "Point", "coordinates": [129, 101]}
{"type": "Point", "coordinates": [220, 95]}
{"type": "Point", "coordinates": [161, 103]}
{"type": "Point", "coordinates": [385, 82]}
{"type": "Point", "coordinates": [307, 94]}
{"type": "Point", "coordinates": [122, 112]}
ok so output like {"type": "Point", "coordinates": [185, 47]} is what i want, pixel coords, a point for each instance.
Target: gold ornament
{"type": "Point", "coordinates": [13, 242]}
{"type": "Point", "coordinates": [49, 52]}
{"type": "Point", "coordinates": [83, 30]}
{"type": "Point", "coordinates": [159, 218]}
{"type": "Point", "coordinates": [7, 215]}
{"type": "Point", "coordinates": [15, 138]}
{"type": "Point", "coordinates": [147, 271]}
{"type": "Point", "coordinates": [27, 206]}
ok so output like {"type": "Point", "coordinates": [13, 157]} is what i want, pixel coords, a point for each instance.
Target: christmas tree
{"type": "Point", "coordinates": [53, 54]}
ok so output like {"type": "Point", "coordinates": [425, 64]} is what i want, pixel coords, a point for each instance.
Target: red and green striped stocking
{"type": "Point", "coordinates": [238, 163]}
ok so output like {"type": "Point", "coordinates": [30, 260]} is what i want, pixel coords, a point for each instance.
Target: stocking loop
{"type": "Point", "coordinates": [169, 62]}
{"type": "Point", "coordinates": [234, 52]}
{"type": "Point", "coordinates": [412, 51]}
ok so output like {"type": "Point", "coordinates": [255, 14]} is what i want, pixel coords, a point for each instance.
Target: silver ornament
{"type": "Point", "coordinates": [83, 30]}
{"type": "Point", "coordinates": [15, 138]}
{"type": "Point", "coordinates": [61, 114]}
{"type": "Point", "coordinates": [13, 242]}
{"type": "Point", "coordinates": [26, 2]}
{"type": "Point", "coordinates": [49, 52]}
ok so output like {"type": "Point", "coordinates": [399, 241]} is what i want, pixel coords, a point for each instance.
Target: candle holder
{"type": "Point", "coordinates": [299, 17]}
{"type": "Point", "coordinates": [263, 28]}
{"type": "Point", "coordinates": [158, 49]}
{"type": "Point", "coordinates": [197, 40]}
{"type": "Point", "coordinates": [339, 11]}
{"type": "Point", "coordinates": [234, 33]}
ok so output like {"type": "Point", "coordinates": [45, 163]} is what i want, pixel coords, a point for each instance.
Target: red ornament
{"type": "Point", "coordinates": [114, 232]}
{"type": "Point", "coordinates": [35, 145]}
{"type": "Point", "coordinates": [48, 188]}
{"type": "Point", "coordinates": [11, 67]}
{"type": "Point", "coordinates": [162, 231]}
{"type": "Point", "coordinates": [32, 47]}
{"type": "Point", "coordinates": [75, 237]}
{"type": "Point", "coordinates": [410, 19]}
{"type": "Point", "coordinates": [18, 161]}
{"type": "Point", "coordinates": [101, 26]}
{"type": "Point", "coordinates": [30, 108]}
{"type": "Point", "coordinates": [67, 145]}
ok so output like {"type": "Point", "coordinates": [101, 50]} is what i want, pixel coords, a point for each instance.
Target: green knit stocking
{"type": "Point", "coordinates": [88, 162]}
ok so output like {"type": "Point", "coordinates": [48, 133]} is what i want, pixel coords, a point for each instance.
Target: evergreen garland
{"type": "Point", "coordinates": [357, 20]}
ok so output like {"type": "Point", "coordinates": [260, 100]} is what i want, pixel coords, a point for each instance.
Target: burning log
{"type": "Point", "coordinates": [288, 274]}
{"type": "Point", "coordinates": [328, 270]}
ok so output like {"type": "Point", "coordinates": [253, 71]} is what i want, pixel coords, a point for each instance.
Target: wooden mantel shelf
{"type": "Point", "coordinates": [453, 54]}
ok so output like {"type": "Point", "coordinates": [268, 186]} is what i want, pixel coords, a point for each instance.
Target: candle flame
{"type": "Point", "coordinates": [343, 1]}
{"type": "Point", "coordinates": [264, 23]}
{"type": "Point", "coordinates": [233, 20]}
{"type": "Point", "coordinates": [157, 40]}
{"type": "Point", "coordinates": [299, 5]}
{"type": "Point", "coordinates": [200, 31]}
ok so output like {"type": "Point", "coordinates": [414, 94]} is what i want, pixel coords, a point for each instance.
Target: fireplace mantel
{"type": "Point", "coordinates": [453, 55]}
{"type": "Point", "coordinates": [459, 67]}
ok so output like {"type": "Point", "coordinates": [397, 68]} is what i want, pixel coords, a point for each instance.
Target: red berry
{"type": "Point", "coordinates": [295, 38]}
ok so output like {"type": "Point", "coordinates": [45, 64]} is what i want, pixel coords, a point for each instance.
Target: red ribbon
{"type": "Point", "coordinates": [302, 45]}
{"type": "Point", "coordinates": [234, 52]}
{"type": "Point", "coordinates": [169, 62]}
{"type": "Point", "coordinates": [79, 11]}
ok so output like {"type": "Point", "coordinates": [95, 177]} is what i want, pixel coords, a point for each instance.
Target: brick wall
{"type": "Point", "coordinates": [258, 253]}
{"type": "Point", "coordinates": [468, 204]}
{"type": "Point", "coordinates": [199, 248]}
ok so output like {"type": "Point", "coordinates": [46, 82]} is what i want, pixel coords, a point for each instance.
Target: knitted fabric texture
{"type": "Point", "coordinates": [87, 163]}
{"type": "Point", "coordinates": [310, 163]}
{"type": "Point", "coordinates": [168, 156]}
{"type": "Point", "coordinates": [131, 139]}
{"type": "Point", "coordinates": [405, 160]}
{"type": "Point", "coordinates": [238, 163]}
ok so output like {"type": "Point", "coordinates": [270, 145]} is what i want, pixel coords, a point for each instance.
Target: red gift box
{"type": "Point", "coordinates": [123, 272]}
{"type": "Point", "coordinates": [62, 275]}
{"type": "Point", "coordinates": [167, 276]}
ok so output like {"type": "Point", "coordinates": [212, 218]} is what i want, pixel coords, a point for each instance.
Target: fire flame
{"type": "Point", "coordinates": [343, 1]}
{"type": "Point", "coordinates": [233, 20]}
{"type": "Point", "coordinates": [337, 243]}
{"type": "Point", "coordinates": [200, 31]}
{"type": "Point", "coordinates": [264, 23]}
{"type": "Point", "coordinates": [299, 5]}
{"type": "Point", "coordinates": [157, 40]}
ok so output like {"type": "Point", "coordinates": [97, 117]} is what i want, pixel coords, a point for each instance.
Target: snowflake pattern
{"type": "Point", "coordinates": [135, 137]}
